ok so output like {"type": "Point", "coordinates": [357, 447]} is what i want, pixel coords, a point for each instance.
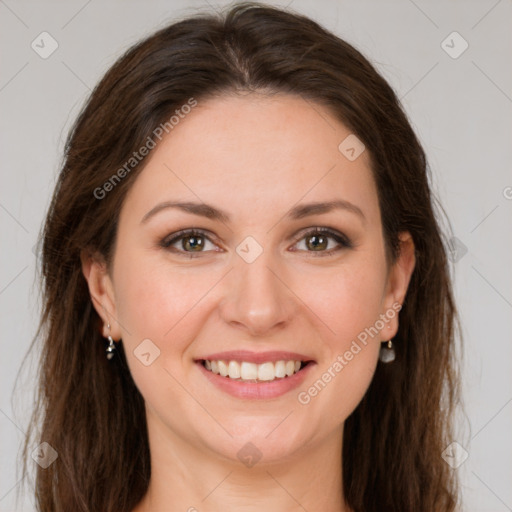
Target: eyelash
{"type": "Point", "coordinates": [341, 239]}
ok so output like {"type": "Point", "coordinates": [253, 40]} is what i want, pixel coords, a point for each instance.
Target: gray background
{"type": "Point", "coordinates": [460, 107]}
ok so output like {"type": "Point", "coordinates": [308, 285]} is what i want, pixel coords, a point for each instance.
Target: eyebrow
{"type": "Point", "coordinates": [296, 213]}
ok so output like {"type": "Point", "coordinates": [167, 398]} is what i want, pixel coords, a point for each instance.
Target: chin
{"type": "Point", "coordinates": [265, 440]}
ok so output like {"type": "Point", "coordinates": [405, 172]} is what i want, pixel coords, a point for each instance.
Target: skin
{"type": "Point", "coordinates": [255, 157]}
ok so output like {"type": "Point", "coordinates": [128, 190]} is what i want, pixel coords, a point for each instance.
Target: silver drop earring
{"type": "Point", "coordinates": [111, 347]}
{"type": "Point", "coordinates": [387, 352]}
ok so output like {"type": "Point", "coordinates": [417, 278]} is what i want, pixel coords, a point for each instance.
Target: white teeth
{"type": "Point", "coordinates": [251, 371]}
{"type": "Point", "coordinates": [248, 371]}
{"type": "Point", "coordinates": [266, 371]}
{"type": "Point", "coordinates": [280, 369]}
{"type": "Point", "coordinates": [223, 368]}
{"type": "Point", "coordinates": [234, 370]}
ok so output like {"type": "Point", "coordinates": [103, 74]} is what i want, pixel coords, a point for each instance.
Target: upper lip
{"type": "Point", "coordinates": [255, 357]}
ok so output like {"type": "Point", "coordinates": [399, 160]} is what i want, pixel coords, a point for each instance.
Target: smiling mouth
{"type": "Point", "coordinates": [245, 371]}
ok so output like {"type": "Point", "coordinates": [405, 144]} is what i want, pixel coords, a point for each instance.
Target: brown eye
{"type": "Point", "coordinates": [317, 242]}
{"type": "Point", "coordinates": [323, 241]}
{"type": "Point", "coordinates": [192, 243]}
{"type": "Point", "coordinates": [188, 242]}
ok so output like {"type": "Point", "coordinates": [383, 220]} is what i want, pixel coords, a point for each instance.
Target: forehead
{"type": "Point", "coordinates": [255, 154]}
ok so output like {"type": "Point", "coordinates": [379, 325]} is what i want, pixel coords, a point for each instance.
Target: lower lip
{"type": "Point", "coordinates": [256, 390]}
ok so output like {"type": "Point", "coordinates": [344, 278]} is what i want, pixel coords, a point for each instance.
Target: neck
{"type": "Point", "coordinates": [185, 477]}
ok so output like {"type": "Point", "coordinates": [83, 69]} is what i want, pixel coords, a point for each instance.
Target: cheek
{"type": "Point", "coordinates": [347, 299]}
{"type": "Point", "coordinates": [159, 301]}
{"type": "Point", "coordinates": [348, 304]}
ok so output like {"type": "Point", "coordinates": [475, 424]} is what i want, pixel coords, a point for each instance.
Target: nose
{"type": "Point", "coordinates": [256, 298]}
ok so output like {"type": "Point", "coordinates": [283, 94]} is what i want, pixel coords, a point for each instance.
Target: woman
{"type": "Point", "coordinates": [247, 300]}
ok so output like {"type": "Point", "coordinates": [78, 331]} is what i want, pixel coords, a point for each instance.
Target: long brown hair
{"type": "Point", "coordinates": [89, 409]}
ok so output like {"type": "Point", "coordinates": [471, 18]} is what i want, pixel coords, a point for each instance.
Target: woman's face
{"type": "Point", "coordinates": [266, 272]}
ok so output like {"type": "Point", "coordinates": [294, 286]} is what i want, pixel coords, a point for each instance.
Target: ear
{"type": "Point", "coordinates": [399, 277]}
{"type": "Point", "coordinates": [101, 290]}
